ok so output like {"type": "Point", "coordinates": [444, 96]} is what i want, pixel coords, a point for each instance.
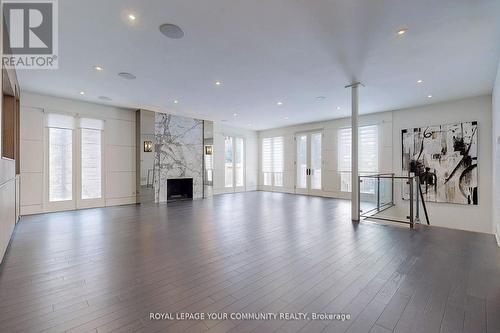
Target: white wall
{"type": "Point", "coordinates": [330, 172]}
{"type": "Point", "coordinates": [474, 218]}
{"type": "Point", "coordinates": [119, 152]}
{"type": "Point", "coordinates": [251, 157]}
{"type": "Point", "coordinates": [496, 153]}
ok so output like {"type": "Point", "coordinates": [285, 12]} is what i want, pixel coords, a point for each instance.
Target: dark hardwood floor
{"type": "Point", "coordinates": [104, 270]}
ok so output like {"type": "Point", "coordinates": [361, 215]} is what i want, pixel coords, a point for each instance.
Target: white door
{"type": "Point", "coordinates": [91, 172]}
{"type": "Point", "coordinates": [60, 169]}
{"type": "Point", "coordinates": [74, 162]}
{"type": "Point", "coordinates": [308, 163]}
{"type": "Point", "coordinates": [234, 164]}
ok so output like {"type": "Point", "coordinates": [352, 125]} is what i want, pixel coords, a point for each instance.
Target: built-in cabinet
{"type": "Point", "coordinates": [9, 157]}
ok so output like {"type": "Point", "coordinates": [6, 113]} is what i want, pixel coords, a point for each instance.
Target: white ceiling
{"type": "Point", "coordinates": [268, 51]}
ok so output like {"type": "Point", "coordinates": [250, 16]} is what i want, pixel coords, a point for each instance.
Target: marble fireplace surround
{"type": "Point", "coordinates": [178, 153]}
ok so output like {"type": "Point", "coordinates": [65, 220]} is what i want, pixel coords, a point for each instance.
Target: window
{"type": "Point", "coordinates": [368, 157]}
{"type": "Point", "coordinates": [273, 161]}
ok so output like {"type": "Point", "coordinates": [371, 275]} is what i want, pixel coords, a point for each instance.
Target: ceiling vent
{"type": "Point", "coordinates": [127, 76]}
{"type": "Point", "coordinates": [171, 31]}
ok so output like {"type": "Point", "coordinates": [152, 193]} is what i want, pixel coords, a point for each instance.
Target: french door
{"type": "Point", "coordinates": [74, 163]}
{"type": "Point", "coordinates": [308, 163]}
{"type": "Point", "coordinates": [234, 164]}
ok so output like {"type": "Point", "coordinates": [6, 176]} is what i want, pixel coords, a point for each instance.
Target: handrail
{"type": "Point", "coordinates": [412, 181]}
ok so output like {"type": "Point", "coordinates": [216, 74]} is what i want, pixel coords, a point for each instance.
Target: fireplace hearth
{"type": "Point", "coordinates": [179, 189]}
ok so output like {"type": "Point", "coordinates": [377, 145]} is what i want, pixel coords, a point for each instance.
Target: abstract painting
{"type": "Point", "coordinates": [445, 158]}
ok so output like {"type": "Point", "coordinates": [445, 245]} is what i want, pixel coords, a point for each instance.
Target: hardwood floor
{"type": "Point", "coordinates": [104, 270]}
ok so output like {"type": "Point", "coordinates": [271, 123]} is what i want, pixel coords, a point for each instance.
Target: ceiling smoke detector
{"type": "Point", "coordinates": [171, 31]}
{"type": "Point", "coordinates": [127, 76]}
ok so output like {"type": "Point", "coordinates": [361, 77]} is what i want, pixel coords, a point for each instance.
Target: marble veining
{"type": "Point", "coordinates": [178, 153]}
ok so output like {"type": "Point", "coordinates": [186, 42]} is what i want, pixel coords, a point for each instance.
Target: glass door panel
{"type": "Point", "coordinates": [234, 165]}
{"type": "Point", "coordinates": [228, 162]}
{"type": "Point", "coordinates": [308, 163]}
{"type": "Point", "coordinates": [316, 161]}
{"type": "Point", "coordinates": [91, 164]}
{"type": "Point", "coordinates": [239, 171]}
{"type": "Point", "coordinates": [60, 164]}
{"type": "Point", "coordinates": [302, 161]}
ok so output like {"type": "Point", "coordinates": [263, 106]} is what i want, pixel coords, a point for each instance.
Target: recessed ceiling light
{"type": "Point", "coordinates": [218, 83]}
{"type": "Point", "coordinates": [176, 101]}
{"type": "Point", "coordinates": [82, 93]}
{"type": "Point", "coordinates": [286, 118]}
{"type": "Point", "coordinates": [429, 96]}
{"type": "Point", "coordinates": [131, 17]}
{"type": "Point", "coordinates": [279, 103]}
{"type": "Point", "coordinates": [98, 68]}
{"type": "Point", "coordinates": [420, 81]}
{"type": "Point", "coordinates": [402, 32]}
{"type": "Point", "coordinates": [104, 98]}
{"type": "Point", "coordinates": [249, 124]}
{"type": "Point", "coordinates": [127, 76]}
{"type": "Point", "coordinates": [235, 115]}
{"type": "Point", "coordinates": [338, 108]}
{"type": "Point", "coordinates": [321, 97]}
{"type": "Point", "coordinates": [171, 31]}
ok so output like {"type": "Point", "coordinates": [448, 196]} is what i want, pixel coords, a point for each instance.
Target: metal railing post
{"type": "Point", "coordinates": [392, 189]}
{"type": "Point", "coordinates": [359, 194]}
{"type": "Point", "coordinates": [378, 193]}
{"type": "Point", "coordinates": [417, 183]}
{"type": "Point", "coordinates": [410, 182]}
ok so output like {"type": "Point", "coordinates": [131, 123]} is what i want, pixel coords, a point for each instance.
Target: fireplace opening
{"type": "Point", "coordinates": [179, 189]}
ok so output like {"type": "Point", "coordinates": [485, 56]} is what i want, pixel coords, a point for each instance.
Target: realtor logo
{"type": "Point", "coordinates": [30, 34]}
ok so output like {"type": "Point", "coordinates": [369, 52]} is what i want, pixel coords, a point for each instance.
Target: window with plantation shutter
{"type": "Point", "coordinates": [273, 161]}
{"type": "Point", "coordinates": [367, 158]}
{"type": "Point", "coordinates": [278, 160]}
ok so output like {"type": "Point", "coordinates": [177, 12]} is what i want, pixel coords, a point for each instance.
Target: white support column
{"type": "Point", "coordinates": [354, 152]}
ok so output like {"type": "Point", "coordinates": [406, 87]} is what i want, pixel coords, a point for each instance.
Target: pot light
{"type": "Point", "coordinates": [279, 103]}
{"type": "Point", "coordinates": [82, 93]}
{"type": "Point", "coordinates": [176, 101]}
{"type": "Point", "coordinates": [420, 81]}
{"type": "Point", "coordinates": [98, 68]}
{"type": "Point", "coordinates": [402, 32]}
{"type": "Point", "coordinates": [429, 96]}
{"type": "Point", "coordinates": [286, 118]}
{"type": "Point", "coordinates": [131, 17]}
{"type": "Point", "coordinates": [235, 115]}
{"type": "Point", "coordinates": [218, 83]}
{"type": "Point", "coordinates": [338, 108]}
